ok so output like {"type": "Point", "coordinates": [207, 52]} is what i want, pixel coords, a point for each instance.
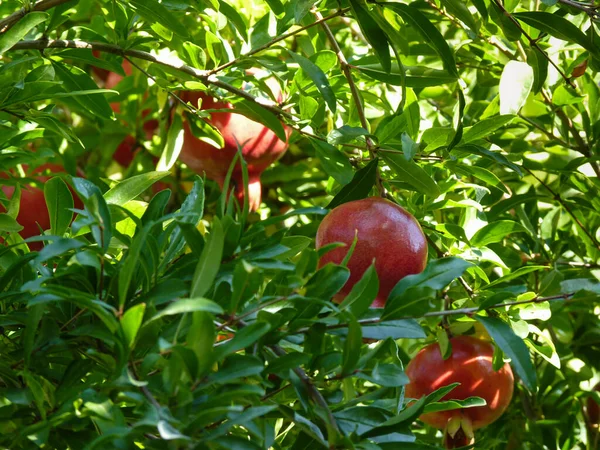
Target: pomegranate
{"type": "Point", "coordinates": [386, 232]}
{"type": "Point", "coordinates": [593, 408]}
{"type": "Point", "coordinates": [470, 364]}
{"type": "Point", "coordinates": [33, 213]}
{"type": "Point", "coordinates": [260, 146]}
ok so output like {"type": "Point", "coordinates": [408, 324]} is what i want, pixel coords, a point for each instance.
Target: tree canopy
{"type": "Point", "coordinates": [157, 311]}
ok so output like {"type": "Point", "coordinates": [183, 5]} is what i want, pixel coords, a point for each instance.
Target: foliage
{"type": "Point", "coordinates": [177, 316]}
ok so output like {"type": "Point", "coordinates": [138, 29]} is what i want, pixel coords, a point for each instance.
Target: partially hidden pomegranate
{"type": "Point", "coordinates": [593, 408]}
{"type": "Point", "coordinates": [33, 212]}
{"type": "Point", "coordinates": [260, 146]}
{"type": "Point", "coordinates": [386, 233]}
{"type": "Point", "coordinates": [470, 364]}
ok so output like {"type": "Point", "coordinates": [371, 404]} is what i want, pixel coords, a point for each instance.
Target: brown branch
{"type": "Point", "coordinates": [346, 70]}
{"type": "Point", "coordinates": [534, 43]}
{"type": "Point", "coordinates": [589, 8]}
{"type": "Point", "coordinates": [582, 146]}
{"type": "Point", "coordinates": [449, 312]}
{"type": "Point", "coordinates": [201, 75]}
{"type": "Point", "coordinates": [565, 206]}
{"type": "Point", "coordinates": [275, 40]}
{"type": "Point", "coordinates": [8, 22]}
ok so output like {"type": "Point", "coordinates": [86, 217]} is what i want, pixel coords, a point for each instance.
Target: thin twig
{"type": "Point", "coordinates": [275, 40]}
{"type": "Point", "coordinates": [534, 43]}
{"type": "Point", "coordinates": [565, 206]}
{"type": "Point", "coordinates": [8, 22]}
{"type": "Point", "coordinates": [449, 312]}
{"type": "Point", "coordinates": [201, 75]}
{"type": "Point", "coordinates": [589, 8]}
{"type": "Point", "coordinates": [346, 70]}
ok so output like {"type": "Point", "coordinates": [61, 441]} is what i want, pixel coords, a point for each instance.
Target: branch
{"type": "Point", "coordinates": [201, 75]}
{"type": "Point", "coordinates": [566, 207]}
{"type": "Point", "coordinates": [8, 22]}
{"type": "Point", "coordinates": [275, 40]}
{"type": "Point", "coordinates": [589, 8]}
{"type": "Point", "coordinates": [448, 312]}
{"type": "Point", "coordinates": [534, 43]}
{"type": "Point", "coordinates": [355, 94]}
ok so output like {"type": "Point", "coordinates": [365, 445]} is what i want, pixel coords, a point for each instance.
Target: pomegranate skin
{"type": "Point", "coordinates": [33, 212]}
{"type": "Point", "coordinates": [260, 146]}
{"type": "Point", "coordinates": [386, 232]}
{"type": "Point", "coordinates": [471, 365]}
{"type": "Point", "coordinates": [593, 408]}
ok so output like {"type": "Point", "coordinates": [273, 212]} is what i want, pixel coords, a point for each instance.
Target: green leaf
{"type": "Point", "coordinates": [237, 367]}
{"type": "Point", "coordinates": [155, 12]}
{"type": "Point", "coordinates": [363, 293]}
{"type": "Point", "coordinates": [75, 79]}
{"type": "Point", "coordinates": [449, 405]}
{"type": "Point", "coordinates": [428, 32]}
{"type": "Point", "coordinates": [174, 144]}
{"type": "Point", "coordinates": [259, 114]}
{"type": "Point", "coordinates": [360, 186]}
{"type": "Point", "coordinates": [515, 85]}
{"type": "Point", "coordinates": [416, 76]}
{"type": "Point", "coordinates": [131, 322]}
{"type": "Point", "coordinates": [410, 172]}
{"type": "Point", "coordinates": [373, 33]}
{"type": "Point", "coordinates": [327, 281]}
{"type": "Point", "coordinates": [496, 232]}
{"type": "Point", "coordinates": [335, 163]}
{"type": "Point", "coordinates": [318, 77]}
{"type": "Point", "coordinates": [437, 275]}
{"type": "Point", "coordinates": [352, 346]}
{"type": "Point", "coordinates": [8, 223]}
{"type": "Point", "coordinates": [244, 338]}
{"type": "Point", "coordinates": [539, 64]}
{"type": "Point", "coordinates": [395, 329]}
{"type": "Point", "coordinates": [210, 261]}
{"type": "Point", "coordinates": [187, 305]}
{"type": "Point", "coordinates": [485, 128]}
{"type": "Point", "coordinates": [559, 27]}
{"type": "Point", "coordinates": [513, 347]}
{"type": "Point", "coordinates": [459, 9]}
{"type": "Point", "coordinates": [20, 29]}
{"type": "Point", "coordinates": [59, 201]}
{"type": "Point", "coordinates": [509, 28]}
{"type": "Point", "coordinates": [516, 274]}
{"type": "Point", "coordinates": [131, 188]}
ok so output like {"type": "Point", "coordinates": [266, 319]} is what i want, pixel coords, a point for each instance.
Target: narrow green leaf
{"type": "Point", "coordinates": [130, 188]}
{"type": "Point", "coordinates": [210, 261]}
{"type": "Point", "coordinates": [335, 163]}
{"type": "Point", "coordinates": [187, 305]}
{"type": "Point", "coordinates": [513, 347]}
{"type": "Point", "coordinates": [259, 114]}
{"type": "Point", "coordinates": [131, 322]}
{"type": "Point", "coordinates": [485, 128]}
{"type": "Point", "coordinates": [318, 77]}
{"type": "Point", "coordinates": [362, 294]}
{"type": "Point", "coordinates": [360, 186]}
{"type": "Point", "coordinates": [559, 27]}
{"type": "Point", "coordinates": [410, 172]}
{"type": "Point", "coordinates": [428, 31]}
{"type": "Point", "coordinates": [59, 201]}
{"type": "Point", "coordinates": [515, 85]}
{"type": "Point", "coordinates": [351, 353]}
{"type": "Point", "coordinates": [496, 232]}
{"type": "Point", "coordinates": [20, 29]}
{"type": "Point", "coordinates": [373, 33]}
{"type": "Point", "coordinates": [155, 12]}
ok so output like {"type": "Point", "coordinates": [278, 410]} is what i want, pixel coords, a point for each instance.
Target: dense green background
{"type": "Point", "coordinates": [481, 118]}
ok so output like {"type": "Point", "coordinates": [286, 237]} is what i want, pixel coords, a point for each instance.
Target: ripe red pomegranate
{"type": "Point", "coordinates": [470, 365]}
{"type": "Point", "coordinates": [593, 408]}
{"type": "Point", "coordinates": [386, 232]}
{"type": "Point", "coordinates": [260, 146]}
{"type": "Point", "coordinates": [33, 212]}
